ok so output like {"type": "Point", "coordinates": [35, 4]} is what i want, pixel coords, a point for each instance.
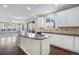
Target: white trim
{"type": "Point", "coordinates": [24, 49]}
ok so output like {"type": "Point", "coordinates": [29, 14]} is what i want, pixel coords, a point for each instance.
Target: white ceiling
{"type": "Point", "coordinates": [19, 12]}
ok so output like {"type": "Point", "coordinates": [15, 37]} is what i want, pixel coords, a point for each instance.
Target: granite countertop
{"type": "Point", "coordinates": [38, 37]}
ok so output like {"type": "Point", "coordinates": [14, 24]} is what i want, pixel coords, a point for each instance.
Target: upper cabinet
{"type": "Point", "coordinates": [77, 16]}
{"type": "Point", "coordinates": [72, 17]}
{"type": "Point", "coordinates": [61, 19]}
{"type": "Point", "coordinates": [69, 17]}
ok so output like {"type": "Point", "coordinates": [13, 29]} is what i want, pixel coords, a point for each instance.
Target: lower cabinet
{"type": "Point", "coordinates": [35, 47]}
{"type": "Point", "coordinates": [76, 46]}
{"type": "Point", "coordinates": [52, 39]}
{"type": "Point", "coordinates": [63, 41]}
{"type": "Point", "coordinates": [45, 47]}
{"type": "Point", "coordinates": [31, 46]}
{"type": "Point", "coordinates": [58, 40]}
{"type": "Point", "coordinates": [67, 42]}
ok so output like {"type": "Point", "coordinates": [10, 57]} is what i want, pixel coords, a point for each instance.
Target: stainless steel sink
{"type": "Point", "coordinates": [36, 36]}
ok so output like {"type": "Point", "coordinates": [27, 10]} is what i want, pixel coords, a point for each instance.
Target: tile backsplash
{"type": "Point", "coordinates": [73, 29]}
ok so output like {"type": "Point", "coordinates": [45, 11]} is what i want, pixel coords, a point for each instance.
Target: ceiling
{"type": "Point", "coordinates": [19, 12]}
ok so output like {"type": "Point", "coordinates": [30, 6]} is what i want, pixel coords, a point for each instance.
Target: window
{"type": "Point", "coordinates": [47, 20]}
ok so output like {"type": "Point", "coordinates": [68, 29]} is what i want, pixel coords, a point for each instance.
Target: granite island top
{"type": "Point", "coordinates": [38, 37]}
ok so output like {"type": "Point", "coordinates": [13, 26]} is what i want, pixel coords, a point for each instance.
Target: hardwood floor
{"type": "Point", "coordinates": [59, 51]}
{"type": "Point", "coordinates": [8, 46]}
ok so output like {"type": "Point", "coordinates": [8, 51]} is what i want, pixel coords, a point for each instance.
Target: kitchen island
{"type": "Point", "coordinates": [34, 45]}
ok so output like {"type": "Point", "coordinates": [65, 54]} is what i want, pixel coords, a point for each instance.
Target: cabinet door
{"type": "Point", "coordinates": [30, 45]}
{"type": "Point", "coordinates": [22, 40]}
{"type": "Point", "coordinates": [58, 40]}
{"type": "Point", "coordinates": [19, 40]}
{"type": "Point", "coordinates": [71, 17]}
{"type": "Point", "coordinates": [67, 42]}
{"type": "Point", "coordinates": [35, 47]}
{"type": "Point", "coordinates": [61, 19]}
{"type": "Point", "coordinates": [77, 17]}
{"type": "Point", "coordinates": [64, 41]}
{"type": "Point", "coordinates": [26, 44]}
{"type": "Point", "coordinates": [45, 47]}
{"type": "Point", "coordinates": [52, 39]}
{"type": "Point", "coordinates": [77, 44]}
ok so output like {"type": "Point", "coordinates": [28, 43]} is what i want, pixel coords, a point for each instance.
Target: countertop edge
{"type": "Point", "coordinates": [34, 38]}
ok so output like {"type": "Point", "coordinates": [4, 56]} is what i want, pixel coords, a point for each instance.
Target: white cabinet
{"type": "Point", "coordinates": [70, 43]}
{"type": "Point", "coordinates": [72, 17]}
{"type": "Point", "coordinates": [76, 46]}
{"type": "Point", "coordinates": [61, 19]}
{"type": "Point", "coordinates": [62, 41]}
{"type": "Point", "coordinates": [67, 42]}
{"type": "Point", "coordinates": [58, 40]}
{"type": "Point", "coordinates": [45, 46]}
{"type": "Point", "coordinates": [69, 17]}
{"type": "Point", "coordinates": [77, 17]}
{"type": "Point", "coordinates": [55, 39]}
{"type": "Point", "coordinates": [52, 39]}
{"type": "Point", "coordinates": [22, 40]}
{"type": "Point", "coordinates": [29, 45]}
{"type": "Point", "coordinates": [35, 47]}
{"type": "Point", "coordinates": [40, 47]}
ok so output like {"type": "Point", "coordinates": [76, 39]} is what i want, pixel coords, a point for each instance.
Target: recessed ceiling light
{"type": "Point", "coordinates": [19, 17]}
{"type": "Point", "coordinates": [48, 11]}
{"type": "Point", "coordinates": [56, 4]}
{"type": "Point", "coordinates": [28, 8]}
{"type": "Point", "coordinates": [5, 6]}
{"type": "Point", "coordinates": [32, 14]}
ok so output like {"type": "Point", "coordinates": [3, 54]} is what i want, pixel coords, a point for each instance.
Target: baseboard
{"type": "Point", "coordinates": [24, 49]}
